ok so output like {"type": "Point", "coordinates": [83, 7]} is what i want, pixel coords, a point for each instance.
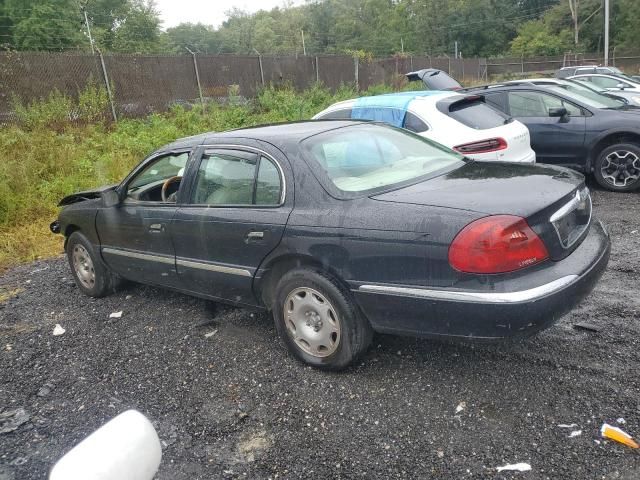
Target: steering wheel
{"type": "Point", "coordinates": [165, 187]}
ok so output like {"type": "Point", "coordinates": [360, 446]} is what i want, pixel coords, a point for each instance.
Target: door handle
{"type": "Point", "coordinates": [156, 227]}
{"type": "Point", "coordinates": [255, 235]}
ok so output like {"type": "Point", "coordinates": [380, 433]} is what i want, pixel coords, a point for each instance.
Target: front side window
{"type": "Point", "coordinates": [536, 104]}
{"type": "Point", "coordinates": [606, 82]}
{"type": "Point", "coordinates": [148, 184]}
{"type": "Point", "coordinates": [363, 158]}
{"type": "Point", "coordinates": [237, 178]}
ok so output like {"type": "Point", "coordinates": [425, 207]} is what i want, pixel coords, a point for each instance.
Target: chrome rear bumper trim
{"type": "Point", "coordinates": [468, 296]}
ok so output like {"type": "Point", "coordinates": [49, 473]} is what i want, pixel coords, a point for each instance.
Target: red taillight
{"type": "Point", "coordinates": [483, 146]}
{"type": "Point", "coordinates": [496, 244]}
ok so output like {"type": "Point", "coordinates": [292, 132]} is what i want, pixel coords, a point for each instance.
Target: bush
{"type": "Point", "coordinates": [62, 145]}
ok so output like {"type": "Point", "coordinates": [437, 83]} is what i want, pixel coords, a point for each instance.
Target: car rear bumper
{"type": "Point", "coordinates": [489, 314]}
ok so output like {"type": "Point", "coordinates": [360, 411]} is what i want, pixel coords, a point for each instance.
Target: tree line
{"type": "Point", "coordinates": [359, 27]}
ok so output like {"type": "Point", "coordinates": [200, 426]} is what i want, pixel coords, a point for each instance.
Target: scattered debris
{"type": "Point", "coordinates": [116, 315]}
{"type": "Point", "coordinates": [518, 467]}
{"type": "Point", "coordinates": [461, 406]}
{"type": "Point", "coordinates": [565, 425]}
{"type": "Point", "coordinates": [440, 453]}
{"type": "Point", "coordinates": [10, 420]}
{"type": "Point", "coordinates": [587, 327]}
{"type": "Point", "coordinates": [621, 421]}
{"type": "Point", "coordinates": [618, 435]}
{"type": "Point", "coordinates": [575, 433]}
{"type": "Point", "coordinates": [45, 390]}
{"type": "Point", "coordinates": [8, 347]}
{"type": "Point", "coordinates": [18, 461]}
{"type": "Point", "coordinates": [58, 330]}
{"type": "Point", "coordinates": [211, 333]}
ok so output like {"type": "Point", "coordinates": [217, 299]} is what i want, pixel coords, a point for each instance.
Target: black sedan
{"type": "Point", "coordinates": [343, 228]}
{"type": "Point", "coordinates": [573, 126]}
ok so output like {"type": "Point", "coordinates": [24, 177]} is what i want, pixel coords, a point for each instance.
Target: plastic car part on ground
{"type": "Point", "coordinates": [618, 435]}
{"type": "Point", "coordinates": [517, 467]}
{"type": "Point", "coordinates": [125, 448]}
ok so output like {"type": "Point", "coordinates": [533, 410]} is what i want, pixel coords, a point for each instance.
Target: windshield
{"type": "Point", "coordinates": [366, 158]}
{"type": "Point", "coordinates": [586, 95]}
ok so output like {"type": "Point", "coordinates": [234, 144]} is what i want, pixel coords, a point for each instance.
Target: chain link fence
{"type": "Point", "coordinates": [142, 84]}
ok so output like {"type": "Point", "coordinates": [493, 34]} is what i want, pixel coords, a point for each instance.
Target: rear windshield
{"type": "Point", "coordinates": [477, 115]}
{"type": "Point", "coordinates": [369, 158]}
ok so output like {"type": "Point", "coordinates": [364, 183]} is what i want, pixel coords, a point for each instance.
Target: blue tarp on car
{"type": "Point", "coordinates": [390, 108]}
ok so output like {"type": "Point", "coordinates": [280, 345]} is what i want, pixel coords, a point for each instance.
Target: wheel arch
{"type": "Point", "coordinates": [608, 139]}
{"type": "Point", "coordinates": [277, 267]}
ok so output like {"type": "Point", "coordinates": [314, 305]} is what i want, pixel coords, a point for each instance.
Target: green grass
{"type": "Point", "coordinates": [61, 145]}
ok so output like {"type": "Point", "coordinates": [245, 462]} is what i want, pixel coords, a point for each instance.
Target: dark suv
{"type": "Point", "coordinates": [576, 127]}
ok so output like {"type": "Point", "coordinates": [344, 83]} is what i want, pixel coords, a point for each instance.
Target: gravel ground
{"type": "Point", "coordinates": [236, 405]}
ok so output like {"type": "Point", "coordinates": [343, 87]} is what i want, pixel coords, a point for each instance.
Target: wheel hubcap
{"type": "Point", "coordinates": [312, 322]}
{"type": "Point", "coordinates": [621, 168]}
{"type": "Point", "coordinates": [83, 265]}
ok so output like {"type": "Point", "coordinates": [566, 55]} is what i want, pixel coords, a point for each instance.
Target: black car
{"type": "Point", "coordinates": [342, 228]}
{"type": "Point", "coordinates": [573, 126]}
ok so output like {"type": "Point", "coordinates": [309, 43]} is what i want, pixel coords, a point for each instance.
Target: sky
{"type": "Point", "coordinates": [209, 12]}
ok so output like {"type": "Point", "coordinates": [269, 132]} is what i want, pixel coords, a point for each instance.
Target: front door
{"type": "Point", "coordinates": [135, 236]}
{"type": "Point", "coordinates": [236, 215]}
{"type": "Point", "coordinates": [555, 140]}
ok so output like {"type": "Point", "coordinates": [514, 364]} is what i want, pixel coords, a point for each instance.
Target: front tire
{"type": "Point", "coordinates": [617, 167]}
{"type": "Point", "coordinates": [89, 272]}
{"type": "Point", "coordinates": [318, 321]}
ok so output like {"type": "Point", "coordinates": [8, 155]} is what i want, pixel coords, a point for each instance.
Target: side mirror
{"type": "Point", "coordinates": [125, 448]}
{"type": "Point", "coordinates": [558, 112]}
{"type": "Point", "coordinates": [110, 198]}
{"type": "Point", "coordinates": [621, 86]}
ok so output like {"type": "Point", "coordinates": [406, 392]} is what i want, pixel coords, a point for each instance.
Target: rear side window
{"type": "Point", "coordinates": [497, 100]}
{"type": "Point", "coordinates": [413, 123]}
{"type": "Point", "coordinates": [477, 115]}
{"type": "Point", "coordinates": [343, 114]}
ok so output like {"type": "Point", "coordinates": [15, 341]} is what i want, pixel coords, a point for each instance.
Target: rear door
{"type": "Point", "coordinates": [236, 214]}
{"type": "Point", "coordinates": [555, 140]}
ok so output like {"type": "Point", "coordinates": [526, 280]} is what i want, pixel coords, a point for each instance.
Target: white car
{"type": "Point", "coordinates": [461, 122]}
{"type": "Point", "coordinates": [615, 84]}
{"type": "Point", "coordinates": [583, 89]}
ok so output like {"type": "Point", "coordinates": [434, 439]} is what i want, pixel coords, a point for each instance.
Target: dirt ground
{"type": "Point", "coordinates": [235, 405]}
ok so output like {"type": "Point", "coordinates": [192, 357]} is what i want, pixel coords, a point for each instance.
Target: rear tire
{"type": "Point", "coordinates": [617, 167]}
{"type": "Point", "coordinates": [318, 321]}
{"type": "Point", "coordinates": [91, 275]}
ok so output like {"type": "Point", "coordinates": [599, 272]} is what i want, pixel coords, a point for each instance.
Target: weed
{"type": "Point", "coordinates": [63, 144]}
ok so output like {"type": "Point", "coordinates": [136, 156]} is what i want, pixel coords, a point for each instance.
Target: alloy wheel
{"type": "Point", "coordinates": [312, 322]}
{"type": "Point", "coordinates": [621, 168]}
{"type": "Point", "coordinates": [83, 266]}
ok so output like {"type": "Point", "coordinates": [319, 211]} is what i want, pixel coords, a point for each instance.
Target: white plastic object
{"type": "Point", "coordinates": [125, 448]}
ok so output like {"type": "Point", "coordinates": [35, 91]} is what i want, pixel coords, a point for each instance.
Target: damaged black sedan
{"type": "Point", "coordinates": [343, 228]}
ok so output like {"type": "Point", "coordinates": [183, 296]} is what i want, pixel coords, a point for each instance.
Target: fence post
{"type": "Point", "coordinates": [522, 64]}
{"type": "Point", "coordinates": [260, 64]}
{"type": "Point", "coordinates": [317, 71]}
{"type": "Point", "coordinates": [356, 64]}
{"type": "Point", "coordinates": [106, 82]}
{"type": "Point", "coordinates": [195, 66]}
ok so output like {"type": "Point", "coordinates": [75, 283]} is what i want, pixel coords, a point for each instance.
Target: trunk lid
{"type": "Point", "coordinates": [538, 193]}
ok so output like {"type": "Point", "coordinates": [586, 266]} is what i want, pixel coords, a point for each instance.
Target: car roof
{"type": "Point", "coordinates": [398, 100]}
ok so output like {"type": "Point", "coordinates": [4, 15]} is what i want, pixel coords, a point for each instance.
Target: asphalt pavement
{"type": "Point", "coordinates": [229, 402]}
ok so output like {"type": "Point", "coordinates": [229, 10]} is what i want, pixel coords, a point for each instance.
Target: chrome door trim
{"type": "Point", "coordinates": [138, 255]}
{"type": "Point", "coordinates": [214, 268]}
{"type": "Point", "coordinates": [472, 296]}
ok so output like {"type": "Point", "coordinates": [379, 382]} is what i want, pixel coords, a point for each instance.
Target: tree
{"type": "Point", "coordinates": [44, 25]}
{"type": "Point", "coordinates": [194, 36]}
